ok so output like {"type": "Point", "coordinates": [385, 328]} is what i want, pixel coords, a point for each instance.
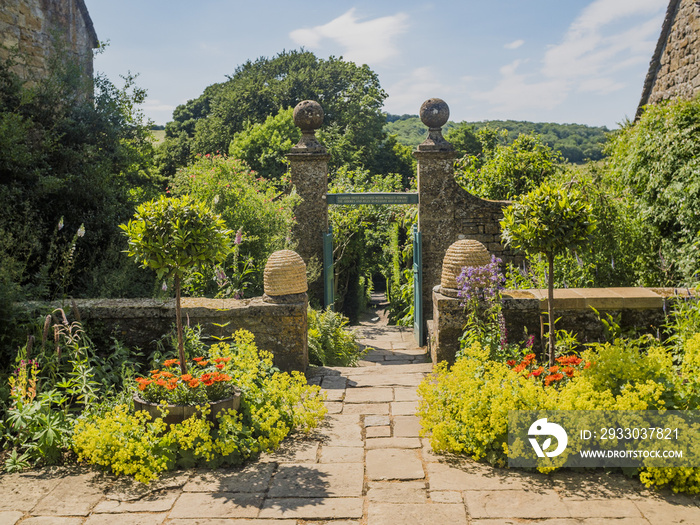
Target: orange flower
{"type": "Point", "coordinates": [220, 366]}
{"type": "Point", "coordinates": [218, 360]}
{"type": "Point", "coordinates": [171, 386]}
{"type": "Point", "coordinates": [161, 382]}
{"type": "Point", "coordinates": [194, 383]}
{"type": "Point", "coordinates": [511, 363]}
{"type": "Point", "coordinates": [553, 377]}
{"type": "Point", "coordinates": [171, 362]}
{"type": "Point", "coordinates": [202, 363]}
{"type": "Point", "coordinates": [520, 367]}
{"type": "Point", "coordinates": [226, 359]}
{"type": "Point", "coordinates": [529, 358]}
{"type": "Point", "coordinates": [538, 372]}
{"type": "Point", "coordinates": [155, 372]}
{"type": "Point", "coordinates": [569, 371]}
{"type": "Point", "coordinates": [208, 382]}
{"type": "Point", "coordinates": [186, 377]}
{"type": "Point", "coordinates": [554, 369]}
{"type": "Point", "coordinates": [197, 359]}
{"type": "Point", "coordinates": [587, 365]}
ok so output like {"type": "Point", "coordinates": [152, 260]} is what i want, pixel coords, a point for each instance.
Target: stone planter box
{"type": "Point", "coordinates": [178, 413]}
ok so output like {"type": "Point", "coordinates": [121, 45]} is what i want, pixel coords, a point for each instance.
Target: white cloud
{"type": "Point", "coordinates": [151, 105]}
{"type": "Point", "coordinates": [515, 44]}
{"type": "Point", "coordinates": [411, 91]}
{"type": "Point", "coordinates": [599, 47]}
{"type": "Point", "coordinates": [514, 92]}
{"type": "Point", "coordinates": [369, 41]}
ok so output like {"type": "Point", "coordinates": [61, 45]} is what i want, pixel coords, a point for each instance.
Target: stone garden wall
{"type": "Point", "coordinates": [280, 328]}
{"type": "Point", "coordinates": [639, 308]}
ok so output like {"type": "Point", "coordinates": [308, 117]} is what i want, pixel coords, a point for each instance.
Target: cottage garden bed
{"type": "Point", "coordinates": [464, 408]}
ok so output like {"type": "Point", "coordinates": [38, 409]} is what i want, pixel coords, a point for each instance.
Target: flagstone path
{"type": "Point", "coordinates": [366, 466]}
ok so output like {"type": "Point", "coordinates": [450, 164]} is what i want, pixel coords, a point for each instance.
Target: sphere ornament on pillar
{"type": "Point", "coordinates": [308, 117]}
{"type": "Point", "coordinates": [461, 254]}
{"type": "Point", "coordinates": [435, 113]}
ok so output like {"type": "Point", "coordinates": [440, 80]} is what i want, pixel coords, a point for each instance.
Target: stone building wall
{"type": "Point", "coordinates": [278, 328]}
{"type": "Point", "coordinates": [674, 71]}
{"type": "Point", "coordinates": [31, 26]}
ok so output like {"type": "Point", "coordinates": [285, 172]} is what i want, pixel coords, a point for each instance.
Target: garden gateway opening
{"type": "Point", "coordinates": [446, 212]}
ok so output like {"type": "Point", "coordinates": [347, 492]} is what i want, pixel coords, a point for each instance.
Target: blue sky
{"type": "Point", "coordinates": [567, 61]}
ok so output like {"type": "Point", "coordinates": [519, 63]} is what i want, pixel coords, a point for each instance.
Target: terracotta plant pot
{"type": "Point", "coordinates": [178, 413]}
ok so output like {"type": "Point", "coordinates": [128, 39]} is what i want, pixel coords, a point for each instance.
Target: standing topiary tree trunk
{"type": "Point", "coordinates": [548, 221]}
{"type": "Point", "coordinates": [172, 236]}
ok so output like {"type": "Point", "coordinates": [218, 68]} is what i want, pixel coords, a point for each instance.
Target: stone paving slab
{"type": "Point", "coordinates": [369, 395]}
{"type": "Point", "coordinates": [318, 480]}
{"type": "Point", "coordinates": [13, 493]}
{"type": "Point", "coordinates": [126, 519]}
{"type": "Point", "coordinates": [152, 503]}
{"type": "Point", "coordinates": [515, 504]}
{"type": "Point", "coordinates": [406, 426]}
{"type": "Point", "coordinates": [224, 521]}
{"type": "Point", "coordinates": [342, 455]}
{"type": "Point", "coordinates": [217, 505]}
{"type": "Point", "coordinates": [366, 408]}
{"type": "Point", "coordinates": [294, 451]}
{"type": "Point", "coordinates": [397, 492]}
{"type": "Point", "coordinates": [392, 442]}
{"type": "Point", "coordinates": [55, 520]}
{"type": "Point", "coordinates": [388, 464]}
{"type": "Point", "coordinates": [10, 517]}
{"type": "Point", "coordinates": [253, 478]}
{"type": "Point", "coordinates": [416, 514]}
{"type": "Point", "coordinates": [76, 498]}
{"type": "Point", "coordinates": [313, 508]}
{"type": "Point", "coordinates": [375, 432]}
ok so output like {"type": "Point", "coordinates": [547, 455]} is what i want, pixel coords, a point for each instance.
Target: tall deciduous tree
{"type": "Point", "coordinates": [351, 97]}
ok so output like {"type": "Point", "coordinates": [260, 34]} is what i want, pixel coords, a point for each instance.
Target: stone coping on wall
{"type": "Point", "coordinates": [615, 298]}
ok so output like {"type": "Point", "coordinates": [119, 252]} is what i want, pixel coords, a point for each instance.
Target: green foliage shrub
{"type": "Point", "coordinates": [264, 146]}
{"type": "Point", "coordinates": [272, 405]}
{"type": "Point", "coordinates": [331, 342]}
{"type": "Point", "coordinates": [500, 171]}
{"type": "Point", "coordinates": [250, 205]}
{"type": "Point", "coordinates": [59, 373]}
{"type": "Point", "coordinates": [657, 157]}
{"type": "Point", "coordinates": [65, 153]}
{"type": "Point", "coordinates": [465, 408]}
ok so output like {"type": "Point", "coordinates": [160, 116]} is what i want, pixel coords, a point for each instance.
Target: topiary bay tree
{"type": "Point", "coordinates": [173, 235]}
{"type": "Point", "coordinates": [548, 221]}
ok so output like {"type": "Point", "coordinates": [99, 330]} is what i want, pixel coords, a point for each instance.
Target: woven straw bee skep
{"type": "Point", "coordinates": [463, 253]}
{"type": "Point", "coordinates": [285, 274]}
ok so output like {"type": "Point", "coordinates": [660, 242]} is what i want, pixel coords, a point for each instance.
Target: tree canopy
{"type": "Point", "coordinates": [350, 95]}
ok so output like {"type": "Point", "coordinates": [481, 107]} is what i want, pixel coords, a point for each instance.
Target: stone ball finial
{"type": "Point", "coordinates": [308, 115]}
{"type": "Point", "coordinates": [285, 274]}
{"type": "Point", "coordinates": [434, 113]}
{"type": "Point", "coordinates": [465, 252]}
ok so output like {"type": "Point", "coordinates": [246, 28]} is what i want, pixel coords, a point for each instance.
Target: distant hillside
{"type": "Point", "coordinates": [576, 142]}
